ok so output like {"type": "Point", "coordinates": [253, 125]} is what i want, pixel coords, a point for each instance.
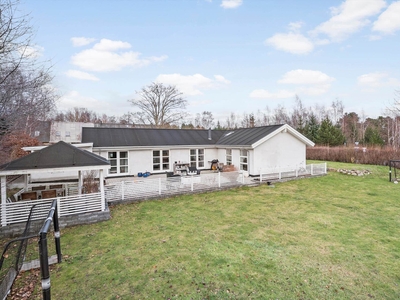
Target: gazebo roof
{"type": "Point", "coordinates": [60, 155]}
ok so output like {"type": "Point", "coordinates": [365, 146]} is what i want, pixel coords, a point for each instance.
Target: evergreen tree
{"type": "Point", "coordinates": [311, 129]}
{"type": "Point", "coordinates": [329, 134]}
{"type": "Point", "coordinates": [372, 137]}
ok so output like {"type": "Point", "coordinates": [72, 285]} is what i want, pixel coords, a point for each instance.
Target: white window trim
{"type": "Point", "coordinates": [118, 166]}
{"type": "Point", "coordinates": [228, 155]}
{"type": "Point", "coordinates": [197, 157]}
{"type": "Point", "coordinates": [161, 160]}
{"type": "Point", "coordinates": [247, 160]}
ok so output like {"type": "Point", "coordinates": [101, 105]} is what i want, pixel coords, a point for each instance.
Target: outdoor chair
{"type": "Point", "coordinates": [29, 196]}
{"type": "Point", "coordinates": [49, 194]}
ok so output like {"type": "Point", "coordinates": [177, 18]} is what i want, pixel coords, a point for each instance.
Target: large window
{"type": "Point", "coordinates": [197, 158]}
{"type": "Point", "coordinates": [118, 161]}
{"type": "Point", "coordinates": [229, 157]}
{"type": "Point", "coordinates": [243, 160]}
{"type": "Point", "coordinates": [160, 160]}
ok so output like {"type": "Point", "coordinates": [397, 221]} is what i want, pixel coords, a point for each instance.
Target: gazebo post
{"type": "Point", "coordinates": [3, 190]}
{"type": "Point", "coordinates": [3, 201]}
{"type": "Point", "coordinates": [26, 182]}
{"type": "Point", "coordinates": [80, 182]}
{"type": "Point", "coordinates": [101, 179]}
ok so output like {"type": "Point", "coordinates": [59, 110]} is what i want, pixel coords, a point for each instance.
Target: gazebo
{"type": "Point", "coordinates": [58, 157]}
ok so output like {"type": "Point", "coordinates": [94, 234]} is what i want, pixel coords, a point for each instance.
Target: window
{"type": "Point", "coordinates": [197, 158]}
{"type": "Point", "coordinates": [229, 157]}
{"type": "Point", "coordinates": [67, 134]}
{"type": "Point", "coordinates": [160, 160]}
{"type": "Point", "coordinates": [37, 133]}
{"type": "Point", "coordinates": [243, 160]}
{"type": "Point", "coordinates": [118, 161]}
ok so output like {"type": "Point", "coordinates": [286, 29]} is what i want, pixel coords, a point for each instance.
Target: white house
{"type": "Point", "coordinates": [255, 150]}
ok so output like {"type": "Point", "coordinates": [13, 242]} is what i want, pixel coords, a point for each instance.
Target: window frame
{"type": "Point", "coordinates": [118, 162]}
{"type": "Point", "coordinates": [197, 158]}
{"type": "Point", "coordinates": [244, 160]}
{"type": "Point", "coordinates": [162, 160]}
{"type": "Point", "coordinates": [228, 157]}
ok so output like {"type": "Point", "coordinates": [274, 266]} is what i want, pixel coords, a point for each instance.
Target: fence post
{"type": "Point", "coordinates": [159, 186]}
{"type": "Point", "coordinates": [312, 169]}
{"type": "Point", "coordinates": [3, 214]}
{"type": "Point", "coordinates": [122, 190]}
{"type": "Point", "coordinates": [242, 177]}
{"type": "Point", "coordinates": [325, 167]}
{"type": "Point", "coordinates": [260, 177]}
{"type": "Point", "coordinates": [280, 175]}
{"type": "Point", "coordinates": [59, 206]}
{"type": "Point", "coordinates": [219, 179]}
{"type": "Point", "coordinates": [191, 183]}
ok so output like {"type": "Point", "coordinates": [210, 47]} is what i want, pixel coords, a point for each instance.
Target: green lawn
{"type": "Point", "coordinates": [331, 237]}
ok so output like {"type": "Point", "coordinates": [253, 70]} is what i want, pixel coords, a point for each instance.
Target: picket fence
{"type": "Point", "coordinates": [16, 212]}
{"type": "Point", "coordinates": [149, 188]}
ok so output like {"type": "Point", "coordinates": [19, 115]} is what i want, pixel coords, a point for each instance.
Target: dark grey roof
{"type": "Point", "coordinates": [60, 155]}
{"type": "Point", "coordinates": [246, 136]}
{"type": "Point", "coordinates": [114, 137]}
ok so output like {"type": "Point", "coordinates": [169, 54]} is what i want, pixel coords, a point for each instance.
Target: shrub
{"type": "Point", "coordinates": [361, 155]}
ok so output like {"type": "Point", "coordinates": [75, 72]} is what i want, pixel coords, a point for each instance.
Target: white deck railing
{"type": "Point", "coordinates": [144, 188]}
{"type": "Point", "coordinates": [16, 212]}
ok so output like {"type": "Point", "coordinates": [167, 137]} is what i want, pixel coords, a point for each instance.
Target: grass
{"type": "Point", "coordinates": [331, 237]}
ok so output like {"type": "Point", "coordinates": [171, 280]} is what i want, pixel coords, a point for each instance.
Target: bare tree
{"type": "Point", "coordinates": [159, 105]}
{"type": "Point", "coordinates": [26, 94]}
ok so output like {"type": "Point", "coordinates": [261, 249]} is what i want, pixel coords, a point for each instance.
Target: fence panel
{"type": "Point", "coordinates": [16, 212]}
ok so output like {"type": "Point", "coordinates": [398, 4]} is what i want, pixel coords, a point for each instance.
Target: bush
{"type": "Point", "coordinates": [361, 155]}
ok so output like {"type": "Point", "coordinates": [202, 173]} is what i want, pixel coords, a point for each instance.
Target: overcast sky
{"type": "Point", "coordinates": [225, 56]}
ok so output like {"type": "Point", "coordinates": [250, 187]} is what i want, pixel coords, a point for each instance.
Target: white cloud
{"type": "Point", "coordinates": [372, 81]}
{"type": "Point", "coordinates": [305, 77]}
{"type": "Point", "coordinates": [31, 51]}
{"type": "Point", "coordinates": [109, 45]}
{"type": "Point", "coordinates": [295, 43]}
{"type": "Point", "coordinates": [75, 99]}
{"type": "Point", "coordinates": [306, 82]}
{"type": "Point", "coordinates": [231, 3]}
{"type": "Point", "coordinates": [221, 79]}
{"type": "Point", "coordinates": [389, 21]}
{"type": "Point", "coordinates": [295, 26]}
{"type": "Point", "coordinates": [81, 75]}
{"type": "Point", "coordinates": [192, 85]}
{"type": "Point", "coordinates": [118, 105]}
{"type": "Point", "coordinates": [265, 94]}
{"type": "Point", "coordinates": [81, 41]}
{"type": "Point", "coordinates": [348, 18]}
{"type": "Point", "coordinates": [105, 56]}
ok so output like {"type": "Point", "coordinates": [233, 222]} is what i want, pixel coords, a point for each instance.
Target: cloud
{"type": "Point", "coordinates": [303, 82]}
{"type": "Point", "coordinates": [192, 85]}
{"type": "Point", "coordinates": [31, 51]}
{"type": "Point", "coordinates": [291, 42]}
{"type": "Point", "coordinates": [295, 26]}
{"type": "Point", "coordinates": [75, 99]}
{"type": "Point", "coordinates": [221, 79]}
{"type": "Point", "coordinates": [81, 41]}
{"type": "Point", "coordinates": [372, 81]}
{"type": "Point", "coordinates": [231, 3]}
{"type": "Point", "coordinates": [81, 75]}
{"type": "Point", "coordinates": [265, 94]}
{"type": "Point", "coordinates": [389, 21]}
{"type": "Point", "coordinates": [305, 77]}
{"type": "Point", "coordinates": [107, 56]}
{"type": "Point", "coordinates": [348, 18]}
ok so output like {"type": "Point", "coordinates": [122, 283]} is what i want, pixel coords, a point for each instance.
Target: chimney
{"type": "Point", "coordinates": [209, 134]}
